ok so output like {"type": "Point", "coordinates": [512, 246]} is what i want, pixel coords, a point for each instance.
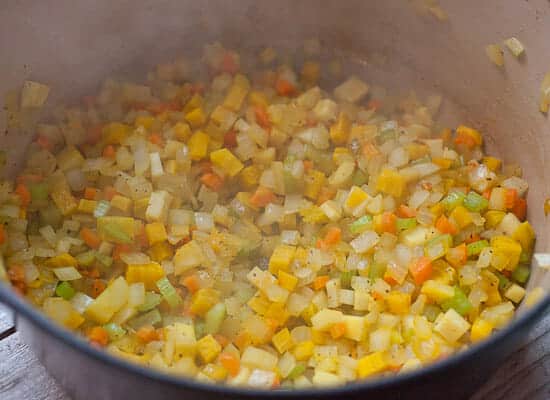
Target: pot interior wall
{"type": "Point", "coordinates": [74, 46]}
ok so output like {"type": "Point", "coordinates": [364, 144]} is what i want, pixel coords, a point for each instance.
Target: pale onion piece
{"type": "Point", "coordinates": [262, 379]}
{"type": "Point", "coordinates": [136, 294]}
{"type": "Point", "coordinates": [398, 157]}
{"type": "Point", "coordinates": [31, 272]}
{"type": "Point", "coordinates": [326, 110]}
{"type": "Point", "coordinates": [498, 315]}
{"type": "Point", "coordinates": [418, 198]}
{"type": "Point", "coordinates": [365, 241]}
{"type": "Point", "coordinates": [67, 273]}
{"type": "Point", "coordinates": [45, 253]}
{"type": "Point", "coordinates": [418, 171]}
{"type": "Point", "coordinates": [49, 235]}
{"type": "Point", "coordinates": [519, 184]}
{"type": "Point", "coordinates": [135, 258]}
{"type": "Point", "coordinates": [309, 98]}
{"type": "Point", "coordinates": [515, 46]}
{"type": "Point", "coordinates": [76, 179]}
{"type": "Point", "coordinates": [542, 260]}
{"type": "Point", "coordinates": [352, 90]}
{"type": "Point", "coordinates": [34, 94]}
{"type": "Point", "coordinates": [156, 165]}
{"type": "Point", "coordinates": [272, 213]}
{"type": "Point", "coordinates": [204, 221]}
{"type": "Point", "coordinates": [294, 203]}
{"type": "Point", "coordinates": [80, 302]}
{"type": "Point", "coordinates": [495, 54]}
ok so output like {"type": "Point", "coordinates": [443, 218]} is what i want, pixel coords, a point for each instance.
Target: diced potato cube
{"type": "Point", "coordinates": [352, 90]}
{"type": "Point", "coordinates": [461, 216]}
{"type": "Point", "coordinates": [156, 165]}
{"type": "Point", "coordinates": [157, 209]}
{"type": "Point", "coordinates": [182, 132]}
{"type": "Point", "coordinates": [62, 312]}
{"type": "Point", "coordinates": [69, 158]}
{"type": "Point", "coordinates": [342, 175]}
{"type": "Point", "coordinates": [112, 299]}
{"type": "Point", "coordinates": [515, 293]}
{"type": "Point", "coordinates": [34, 94]}
{"type": "Point", "coordinates": [254, 357]}
{"type": "Point", "coordinates": [188, 256]}
{"type": "Point", "coordinates": [62, 260]}
{"type": "Point", "coordinates": [355, 327]}
{"type": "Point", "coordinates": [398, 302]}
{"type": "Point", "coordinates": [452, 325]}
{"type": "Point", "coordinates": [325, 110]}
{"type": "Point", "coordinates": [325, 318]}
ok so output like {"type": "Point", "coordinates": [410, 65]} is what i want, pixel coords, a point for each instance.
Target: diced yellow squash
{"type": "Point", "coordinates": [140, 207]}
{"type": "Point", "coordinates": [506, 253]}
{"type": "Point", "coordinates": [356, 197]}
{"type": "Point", "coordinates": [355, 327]}
{"type": "Point", "coordinates": [326, 318]}
{"type": "Point", "coordinates": [237, 93]}
{"type": "Point", "coordinates": [214, 371]}
{"type": "Point", "coordinates": [314, 181]}
{"type": "Point", "coordinates": [437, 291]}
{"type": "Point", "coordinates": [112, 299]}
{"type": "Point", "coordinates": [257, 98]}
{"type": "Point", "coordinates": [194, 102]}
{"type": "Point", "coordinates": [472, 133]}
{"type": "Point", "coordinates": [480, 330]}
{"type": "Point", "coordinates": [161, 251]}
{"type": "Point", "coordinates": [398, 302]}
{"type": "Point", "coordinates": [250, 176]}
{"type": "Point", "coordinates": [156, 233]}
{"type": "Point", "coordinates": [145, 121]}
{"type": "Point", "coordinates": [116, 229]}
{"type": "Point", "coordinates": [461, 216]}
{"type": "Point", "coordinates": [182, 131]}
{"type": "Point", "coordinates": [62, 312]}
{"type": "Point", "coordinates": [226, 161]}
{"type": "Point", "coordinates": [148, 274]}
{"type": "Point", "coordinates": [281, 258]}
{"type": "Point", "coordinates": [492, 163]}
{"type": "Point", "coordinates": [287, 281]}
{"type": "Point", "coordinates": [198, 145]}
{"type": "Point", "coordinates": [196, 117]}
{"type": "Point", "coordinates": [451, 325]}
{"type": "Point", "coordinates": [341, 154]}
{"type": "Point", "coordinates": [254, 357]}
{"type": "Point", "coordinates": [493, 218]}
{"type": "Point", "coordinates": [340, 131]}
{"type": "Point", "coordinates": [259, 304]}
{"type": "Point", "coordinates": [277, 312]}
{"type": "Point", "coordinates": [121, 203]}
{"type": "Point", "coordinates": [332, 210]}
{"type": "Point", "coordinates": [371, 364]}
{"type": "Point", "coordinates": [188, 256]}
{"type": "Point", "coordinates": [313, 215]}
{"type": "Point", "coordinates": [304, 350]}
{"type": "Point", "coordinates": [203, 300]}
{"type": "Point", "coordinates": [282, 340]}
{"type": "Point", "coordinates": [391, 182]}
{"type": "Point", "coordinates": [115, 132]}
{"type": "Point", "coordinates": [208, 348]}
{"type": "Point", "coordinates": [525, 235]}
{"type": "Point", "coordinates": [62, 260]}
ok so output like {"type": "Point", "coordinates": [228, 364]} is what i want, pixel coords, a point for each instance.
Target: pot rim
{"type": "Point", "coordinates": [20, 306]}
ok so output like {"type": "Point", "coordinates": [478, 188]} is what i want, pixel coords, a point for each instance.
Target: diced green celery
{"type": "Point", "coordinates": [115, 331]}
{"type": "Point", "coordinates": [453, 200]}
{"type": "Point", "coordinates": [214, 318]}
{"type": "Point", "coordinates": [345, 279]}
{"type": "Point", "coordinates": [359, 178]}
{"type": "Point", "coordinates": [361, 225]}
{"type": "Point", "coordinates": [431, 311]}
{"type": "Point", "coordinates": [39, 191]}
{"type": "Point", "coordinates": [459, 302]}
{"type": "Point", "coordinates": [102, 208]}
{"type": "Point", "coordinates": [65, 290]}
{"type": "Point", "coordinates": [503, 281]}
{"type": "Point", "coordinates": [525, 258]}
{"type": "Point", "coordinates": [521, 273]}
{"type": "Point", "coordinates": [104, 259]}
{"type": "Point", "coordinates": [115, 231]}
{"type": "Point", "coordinates": [199, 326]}
{"type": "Point", "coordinates": [152, 318]}
{"type": "Point", "coordinates": [168, 292]}
{"type": "Point", "coordinates": [475, 202]}
{"type": "Point", "coordinates": [377, 270]}
{"type": "Point", "coordinates": [297, 371]}
{"type": "Point", "coordinates": [402, 224]}
{"type": "Point", "coordinates": [152, 300]}
{"type": "Point", "coordinates": [87, 258]}
{"type": "Point", "coordinates": [474, 248]}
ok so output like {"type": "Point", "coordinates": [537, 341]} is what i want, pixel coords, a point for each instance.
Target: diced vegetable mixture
{"type": "Point", "coordinates": [255, 229]}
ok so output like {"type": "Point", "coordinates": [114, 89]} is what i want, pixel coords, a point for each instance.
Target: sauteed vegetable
{"type": "Point", "coordinates": [256, 229]}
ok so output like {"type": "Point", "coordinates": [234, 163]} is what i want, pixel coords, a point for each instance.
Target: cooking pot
{"type": "Point", "coordinates": [72, 46]}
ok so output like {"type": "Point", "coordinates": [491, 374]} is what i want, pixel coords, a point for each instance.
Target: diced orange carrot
{"type": "Point", "coordinates": [109, 151]}
{"type": "Point", "coordinates": [98, 335]}
{"type": "Point", "coordinates": [390, 279]}
{"type": "Point", "coordinates": [520, 209]}
{"type": "Point", "coordinates": [230, 139]}
{"type": "Point", "coordinates": [421, 270]}
{"type": "Point", "coordinates": [262, 117]}
{"type": "Point", "coordinates": [120, 249]}
{"type": "Point", "coordinates": [90, 237]}
{"type": "Point", "coordinates": [147, 334]}
{"type": "Point", "coordinates": [326, 193]}
{"type": "Point", "coordinates": [510, 198]}
{"type": "Point", "coordinates": [320, 282]}
{"type": "Point", "coordinates": [465, 139]}
{"type": "Point", "coordinates": [406, 212]}
{"type": "Point", "coordinates": [205, 166]}
{"type": "Point", "coordinates": [231, 363]}
{"type": "Point", "coordinates": [92, 273]}
{"type": "Point", "coordinates": [457, 256]}
{"type": "Point", "coordinates": [389, 220]}
{"type": "Point", "coordinates": [284, 87]}
{"type": "Point", "coordinates": [157, 139]}
{"type": "Point", "coordinates": [487, 194]}
{"type": "Point", "coordinates": [212, 181]}
{"type": "Point", "coordinates": [320, 244]}
{"type": "Point", "coordinates": [308, 165]}
{"type": "Point", "coordinates": [338, 330]}
{"type": "Point", "coordinates": [192, 283]}
{"type": "Point", "coordinates": [262, 197]}
{"type": "Point", "coordinates": [370, 150]}
{"type": "Point", "coordinates": [445, 225]}
{"type": "Point", "coordinates": [374, 104]}
{"type": "Point", "coordinates": [2, 234]}
{"type": "Point", "coordinates": [44, 143]}
{"type": "Point", "coordinates": [109, 192]}
{"type": "Point", "coordinates": [276, 382]}
{"type": "Point", "coordinates": [90, 193]}
{"type": "Point", "coordinates": [98, 286]}
{"type": "Point", "coordinates": [333, 236]}
{"type": "Point", "coordinates": [229, 63]}
{"type": "Point", "coordinates": [24, 194]}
